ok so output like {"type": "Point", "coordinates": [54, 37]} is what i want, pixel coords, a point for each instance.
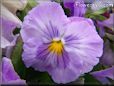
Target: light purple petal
{"type": "Point", "coordinates": [8, 73]}
{"type": "Point", "coordinates": [30, 52]}
{"type": "Point", "coordinates": [82, 39]}
{"type": "Point", "coordinates": [70, 73]}
{"type": "Point", "coordinates": [8, 39]}
{"type": "Point", "coordinates": [38, 20]}
{"type": "Point", "coordinates": [79, 39]}
{"type": "Point", "coordinates": [102, 75]}
{"type": "Point", "coordinates": [7, 15]}
{"type": "Point", "coordinates": [79, 8]}
{"type": "Point", "coordinates": [38, 27]}
{"type": "Point", "coordinates": [8, 23]}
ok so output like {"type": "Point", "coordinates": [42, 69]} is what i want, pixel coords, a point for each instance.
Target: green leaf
{"type": "Point", "coordinates": [16, 59]}
{"type": "Point", "coordinates": [112, 45]}
{"type": "Point", "coordinates": [22, 14]}
{"type": "Point", "coordinates": [110, 36]}
{"type": "Point", "coordinates": [100, 17]}
{"type": "Point", "coordinates": [101, 11]}
{"type": "Point", "coordinates": [32, 3]}
{"type": "Point", "coordinates": [58, 1]}
{"type": "Point", "coordinates": [29, 74]}
{"type": "Point", "coordinates": [98, 12]}
{"type": "Point", "coordinates": [90, 80]}
{"type": "Point", "coordinates": [96, 15]}
{"type": "Point", "coordinates": [36, 77]}
{"type": "Point", "coordinates": [79, 81]}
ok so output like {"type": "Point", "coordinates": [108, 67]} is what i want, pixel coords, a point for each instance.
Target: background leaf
{"type": "Point", "coordinates": [96, 15]}
{"type": "Point", "coordinates": [90, 80]}
{"type": "Point", "coordinates": [101, 11]}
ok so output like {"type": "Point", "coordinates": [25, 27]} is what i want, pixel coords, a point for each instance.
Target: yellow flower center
{"type": "Point", "coordinates": [56, 46]}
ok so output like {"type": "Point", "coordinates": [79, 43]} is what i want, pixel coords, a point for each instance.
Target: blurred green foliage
{"type": "Point", "coordinates": [96, 15]}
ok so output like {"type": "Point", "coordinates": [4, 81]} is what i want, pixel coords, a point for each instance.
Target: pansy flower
{"type": "Point", "coordinates": [76, 7]}
{"type": "Point", "coordinates": [8, 74]}
{"type": "Point", "coordinates": [9, 20]}
{"type": "Point", "coordinates": [103, 75]}
{"type": "Point", "coordinates": [64, 47]}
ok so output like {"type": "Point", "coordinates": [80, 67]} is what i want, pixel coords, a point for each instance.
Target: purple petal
{"type": "Point", "coordinates": [38, 18]}
{"type": "Point", "coordinates": [8, 24]}
{"type": "Point", "coordinates": [103, 74]}
{"type": "Point", "coordinates": [108, 55]}
{"type": "Point", "coordinates": [38, 27]}
{"type": "Point", "coordinates": [70, 5]}
{"type": "Point", "coordinates": [77, 7]}
{"type": "Point", "coordinates": [30, 52]}
{"type": "Point", "coordinates": [106, 23]}
{"type": "Point", "coordinates": [9, 76]}
{"type": "Point", "coordinates": [82, 39]}
{"type": "Point", "coordinates": [8, 39]}
{"type": "Point", "coordinates": [70, 73]}
{"type": "Point", "coordinates": [109, 22]}
{"type": "Point", "coordinates": [79, 40]}
{"type": "Point", "coordinates": [101, 29]}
